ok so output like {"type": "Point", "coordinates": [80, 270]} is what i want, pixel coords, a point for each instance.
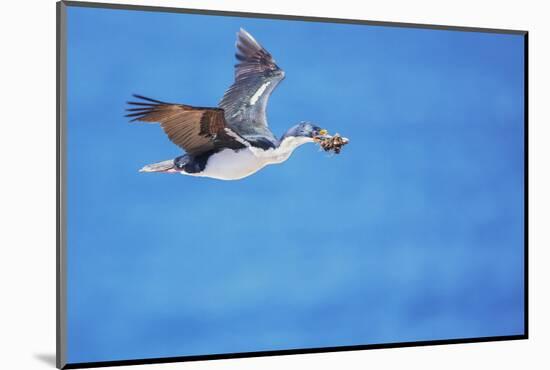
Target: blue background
{"type": "Point", "coordinates": [415, 232]}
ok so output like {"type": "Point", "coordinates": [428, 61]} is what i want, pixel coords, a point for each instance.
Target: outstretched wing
{"type": "Point", "coordinates": [195, 129]}
{"type": "Point", "coordinates": [256, 76]}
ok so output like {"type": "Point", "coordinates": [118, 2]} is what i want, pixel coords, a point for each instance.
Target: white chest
{"type": "Point", "coordinates": [234, 165]}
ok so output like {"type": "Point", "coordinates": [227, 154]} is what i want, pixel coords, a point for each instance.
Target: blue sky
{"type": "Point", "coordinates": [415, 232]}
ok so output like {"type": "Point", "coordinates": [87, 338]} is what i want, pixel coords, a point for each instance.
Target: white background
{"type": "Point", "coordinates": [27, 182]}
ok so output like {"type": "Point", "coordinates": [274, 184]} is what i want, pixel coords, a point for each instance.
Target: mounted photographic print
{"type": "Point", "coordinates": [237, 185]}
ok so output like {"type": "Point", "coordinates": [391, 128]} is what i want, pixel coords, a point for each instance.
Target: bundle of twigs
{"type": "Point", "coordinates": [332, 143]}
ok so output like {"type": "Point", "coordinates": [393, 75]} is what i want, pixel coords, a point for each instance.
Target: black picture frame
{"type": "Point", "coordinates": [61, 188]}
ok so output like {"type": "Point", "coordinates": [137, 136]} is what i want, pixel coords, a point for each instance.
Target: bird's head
{"type": "Point", "coordinates": [305, 130]}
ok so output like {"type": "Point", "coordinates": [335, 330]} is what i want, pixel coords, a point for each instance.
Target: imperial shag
{"type": "Point", "coordinates": [232, 141]}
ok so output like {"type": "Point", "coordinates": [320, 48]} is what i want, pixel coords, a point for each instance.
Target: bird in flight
{"type": "Point", "coordinates": [233, 140]}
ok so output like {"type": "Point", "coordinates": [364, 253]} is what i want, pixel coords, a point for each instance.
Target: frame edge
{"type": "Point", "coordinates": [290, 17]}
{"type": "Point", "coordinates": [526, 182]}
{"type": "Point", "coordinates": [61, 278]}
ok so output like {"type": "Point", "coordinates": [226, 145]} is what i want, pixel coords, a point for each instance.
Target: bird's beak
{"type": "Point", "coordinates": [320, 135]}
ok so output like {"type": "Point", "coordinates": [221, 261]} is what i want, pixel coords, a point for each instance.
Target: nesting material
{"type": "Point", "coordinates": [332, 144]}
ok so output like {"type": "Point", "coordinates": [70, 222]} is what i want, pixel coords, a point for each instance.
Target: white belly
{"type": "Point", "coordinates": [232, 165]}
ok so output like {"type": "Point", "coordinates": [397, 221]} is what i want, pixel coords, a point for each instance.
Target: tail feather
{"type": "Point", "coordinates": [164, 166]}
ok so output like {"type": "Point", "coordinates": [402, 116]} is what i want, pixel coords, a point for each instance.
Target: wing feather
{"type": "Point", "coordinates": [195, 129]}
{"type": "Point", "coordinates": [256, 76]}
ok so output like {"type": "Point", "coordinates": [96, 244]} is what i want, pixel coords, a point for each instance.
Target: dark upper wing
{"type": "Point", "coordinates": [196, 130]}
{"type": "Point", "coordinates": [256, 76]}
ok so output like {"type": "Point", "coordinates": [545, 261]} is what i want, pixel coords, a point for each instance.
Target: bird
{"type": "Point", "coordinates": [233, 140]}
